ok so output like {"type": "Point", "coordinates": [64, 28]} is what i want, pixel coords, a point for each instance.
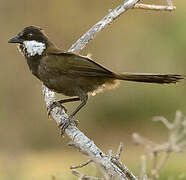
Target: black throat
{"type": "Point", "coordinates": [32, 61]}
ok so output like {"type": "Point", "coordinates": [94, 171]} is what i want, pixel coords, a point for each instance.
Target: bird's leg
{"type": "Point", "coordinates": [83, 103]}
{"type": "Point", "coordinates": [63, 126]}
{"type": "Point", "coordinates": [59, 104]}
{"type": "Point", "coordinates": [62, 101]}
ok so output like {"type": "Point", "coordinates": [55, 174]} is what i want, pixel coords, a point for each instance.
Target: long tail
{"type": "Point", "coordinates": [150, 78]}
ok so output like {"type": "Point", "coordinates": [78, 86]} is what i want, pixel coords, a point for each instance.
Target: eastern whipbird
{"type": "Point", "coordinates": [72, 74]}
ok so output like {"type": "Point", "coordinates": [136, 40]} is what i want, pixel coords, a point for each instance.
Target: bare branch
{"type": "Point", "coordinates": [175, 143]}
{"type": "Point", "coordinates": [120, 149]}
{"type": "Point", "coordinates": [168, 7]}
{"type": "Point", "coordinates": [139, 140]}
{"type": "Point", "coordinates": [169, 2]}
{"type": "Point", "coordinates": [123, 168]}
{"type": "Point", "coordinates": [79, 140]}
{"type": "Point", "coordinates": [109, 153]}
{"type": "Point", "coordinates": [159, 165]}
{"type": "Point", "coordinates": [78, 148]}
{"type": "Point", "coordinates": [154, 7]}
{"type": "Point", "coordinates": [81, 165]}
{"type": "Point", "coordinates": [85, 177]}
{"type": "Point", "coordinates": [143, 168]}
{"type": "Point", "coordinates": [113, 14]}
{"type": "Point", "coordinates": [164, 121]}
{"type": "Point", "coordinates": [114, 169]}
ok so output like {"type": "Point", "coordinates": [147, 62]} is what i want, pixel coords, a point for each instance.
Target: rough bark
{"type": "Point", "coordinates": [78, 139]}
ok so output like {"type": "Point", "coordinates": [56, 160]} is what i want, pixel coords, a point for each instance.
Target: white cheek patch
{"type": "Point", "coordinates": [34, 47]}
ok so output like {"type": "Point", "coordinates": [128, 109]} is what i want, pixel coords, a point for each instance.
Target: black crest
{"type": "Point", "coordinates": [30, 33]}
{"type": "Point", "coordinates": [33, 33]}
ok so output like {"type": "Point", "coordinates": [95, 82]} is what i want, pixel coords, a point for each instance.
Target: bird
{"type": "Point", "coordinates": [71, 74]}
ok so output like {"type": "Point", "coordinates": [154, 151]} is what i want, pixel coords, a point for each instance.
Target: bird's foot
{"type": "Point", "coordinates": [63, 125]}
{"type": "Point", "coordinates": [53, 105]}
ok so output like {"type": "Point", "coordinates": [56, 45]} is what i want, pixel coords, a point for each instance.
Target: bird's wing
{"type": "Point", "coordinates": [77, 65]}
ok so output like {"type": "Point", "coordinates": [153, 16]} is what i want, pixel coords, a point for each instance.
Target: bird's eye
{"type": "Point", "coordinates": [29, 35]}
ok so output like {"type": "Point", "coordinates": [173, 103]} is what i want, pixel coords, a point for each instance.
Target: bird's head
{"type": "Point", "coordinates": [32, 41]}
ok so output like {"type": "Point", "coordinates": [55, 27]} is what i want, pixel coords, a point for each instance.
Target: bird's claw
{"type": "Point", "coordinates": [53, 105]}
{"type": "Point", "coordinates": [63, 125]}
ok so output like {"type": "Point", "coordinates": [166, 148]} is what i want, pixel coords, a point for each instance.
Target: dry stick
{"type": "Point", "coordinates": [154, 160]}
{"type": "Point", "coordinates": [156, 171]}
{"type": "Point", "coordinates": [124, 169]}
{"type": "Point", "coordinates": [113, 14]}
{"type": "Point", "coordinates": [143, 168]}
{"type": "Point", "coordinates": [77, 147]}
{"type": "Point", "coordinates": [169, 2]}
{"type": "Point", "coordinates": [154, 7]}
{"type": "Point", "coordinates": [82, 165]}
{"type": "Point", "coordinates": [85, 177]}
{"type": "Point", "coordinates": [120, 150]}
{"type": "Point", "coordinates": [165, 122]}
{"type": "Point", "coordinates": [58, 114]}
{"type": "Point", "coordinates": [175, 143]}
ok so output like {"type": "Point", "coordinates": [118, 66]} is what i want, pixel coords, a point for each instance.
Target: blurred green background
{"type": "Point", "coordinates": [139, 41]}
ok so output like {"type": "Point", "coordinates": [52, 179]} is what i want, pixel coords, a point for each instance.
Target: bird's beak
{"type": "Point", "coordinates": [15, 39]}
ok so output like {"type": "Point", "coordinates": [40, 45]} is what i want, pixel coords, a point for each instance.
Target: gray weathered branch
{"type": "Point", "coordinates": [113, 14]}
{"type": "Point", "coordinates": [175, 140]}
{"type": "Point", "coordinates": [85, 177]}
{"type": "Point", "coordinates": [78, 139]}
{"type": "Point", "coordinates": [154, 7]}
{"type": "Point", "coordinates": [76, 136]}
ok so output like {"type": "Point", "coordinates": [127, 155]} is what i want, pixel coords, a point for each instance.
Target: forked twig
{"type": "Point", "coordinates": [121, 166]}
{"type": "Point", "coordinates": [174, 144]}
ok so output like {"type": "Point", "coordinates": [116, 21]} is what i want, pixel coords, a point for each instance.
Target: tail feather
{"type": "Point", "coordinates": [150, 78]}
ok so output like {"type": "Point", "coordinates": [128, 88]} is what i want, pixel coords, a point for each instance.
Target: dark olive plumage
{"type": "Point", "coordinates": [71, 74]}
